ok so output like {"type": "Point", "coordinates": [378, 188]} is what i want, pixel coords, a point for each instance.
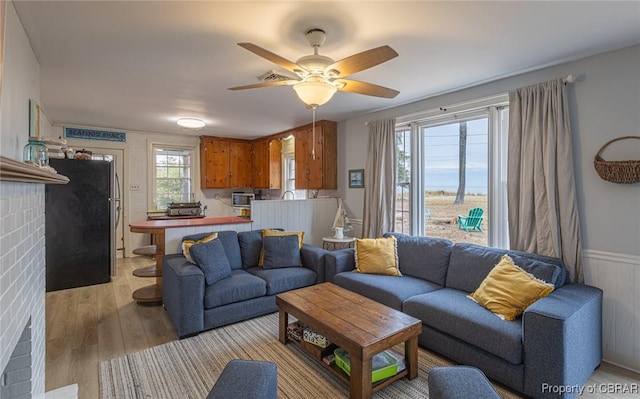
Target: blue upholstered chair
{"type": "Point", "coordinates": [246, 379]}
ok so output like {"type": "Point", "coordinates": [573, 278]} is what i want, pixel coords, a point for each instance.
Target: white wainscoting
{"type": "Point", "coordinates": [618, 275]}
{"type": "Point", "coordinates": [314, 216]}
{"type": "Point", "coordinates": [173, 236]}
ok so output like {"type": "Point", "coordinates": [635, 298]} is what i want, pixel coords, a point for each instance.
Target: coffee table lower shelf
{"type": "Point", "coordinates": [315, 352]}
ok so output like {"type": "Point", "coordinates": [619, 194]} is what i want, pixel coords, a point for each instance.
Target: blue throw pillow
{"type": "Point", "coordinates": [250, 246]}
{"type": "Point", "coordinates": [212, 259]}
{"type": "Point", "coordinates": [281, 251]}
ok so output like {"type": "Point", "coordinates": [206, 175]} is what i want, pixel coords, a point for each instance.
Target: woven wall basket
{"type": "Point", "coordinates": [623, 172]}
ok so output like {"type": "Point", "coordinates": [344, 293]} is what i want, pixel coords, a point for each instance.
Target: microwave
{"type": "Point", "coordinates": [242, 200]}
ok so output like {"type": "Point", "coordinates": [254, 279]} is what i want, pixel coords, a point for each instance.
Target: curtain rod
{"type": "Point", "coordinates": [570, 78]}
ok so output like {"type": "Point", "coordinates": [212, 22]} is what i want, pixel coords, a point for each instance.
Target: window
{"type": "Point", "coordinates": [172, 175]}
{"type": "Point", "coordinates": [289, 173]}
{"type": "Point", "coordinates": [289, 170]}
{"type": "Point", "coordinates": [403, 176]}
{"type": "Point", "coordinates": [449, 161]}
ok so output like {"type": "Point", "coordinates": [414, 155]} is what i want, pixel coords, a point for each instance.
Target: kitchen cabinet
{"type": "Point", "coordinates": [317, 171]}
{"type": "Point", "coordinates": [267, 163]}
{"type": "Point", "coordinates": [225, 163]}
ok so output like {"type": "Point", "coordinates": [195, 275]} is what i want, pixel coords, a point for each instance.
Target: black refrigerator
{"type": "Point", "coordinates": [80, 224]}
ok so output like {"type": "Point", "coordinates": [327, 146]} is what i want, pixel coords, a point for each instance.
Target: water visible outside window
{"type": "Point", "coordinates": [455, 180]}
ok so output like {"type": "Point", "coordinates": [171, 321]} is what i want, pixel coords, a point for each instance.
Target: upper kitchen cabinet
{"type": "Point", "coordinates": [225, 163]}
{"type": "Point", "coordinates": [319, 170]}
{"type": "Point", "coordinates": [267, 163]}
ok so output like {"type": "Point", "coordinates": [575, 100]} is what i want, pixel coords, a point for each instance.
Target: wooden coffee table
{"type": "Point", "coordinates": [358, 325]}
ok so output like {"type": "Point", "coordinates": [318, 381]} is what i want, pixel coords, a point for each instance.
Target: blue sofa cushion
{"type": "Point", "coordinates": [210, 257]}
{"type": "Point", "coordinates": [284, 279]}
{"type": "Point", "coordinates": [281, 251]}
{"type": "Point", "coordinates": [389, 290]}
{"type": "Point", "coordinates": [229, 241]}
{"type": "Point", "coordinates": [451, 312]}
{"type": "Point", "coordinates": [239, 286]}
{"type": "Point", "coordinates": [250, 246]}
{"type": "Point", "coordinates": [539, 266]}
{"type": "Point", "coordinates": [423, 257]}
{"type": "Point", "coordinates": [470, 264]}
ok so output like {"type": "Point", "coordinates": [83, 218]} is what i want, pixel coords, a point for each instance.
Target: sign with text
{"type": "Point", "coordinates": [91, 134]}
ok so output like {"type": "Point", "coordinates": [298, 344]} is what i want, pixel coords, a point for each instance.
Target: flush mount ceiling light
{"type": "Point", "coordinates": [191, 123]}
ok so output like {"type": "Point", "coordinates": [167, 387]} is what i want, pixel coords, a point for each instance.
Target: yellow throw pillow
{"type": "Point", "coordinates": [186, 245]}
{"type": "Point", "coordinates": [508, 290]}
{"type": "Point", "coordinates": [377, 256]}
{"type": "Point", "coordinates": [267, 232]}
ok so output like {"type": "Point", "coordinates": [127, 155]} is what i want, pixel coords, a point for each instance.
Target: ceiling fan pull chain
{"type": "Point", "coordinates": [313, 135]}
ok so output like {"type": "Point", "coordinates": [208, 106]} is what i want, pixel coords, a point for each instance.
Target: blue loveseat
{"type": "Point", "coordinates": [194, 306]}
{"type": "Point", "coordinates": [554, 346]}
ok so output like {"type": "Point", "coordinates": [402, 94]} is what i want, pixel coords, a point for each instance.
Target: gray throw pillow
{"type": "Point", "coordinates": [281, 251]}
{"type": "Point", "coordinates": [211, 258]}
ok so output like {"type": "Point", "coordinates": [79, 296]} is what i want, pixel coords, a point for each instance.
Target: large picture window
{"type": "Point", "coordinates": [449, 167]}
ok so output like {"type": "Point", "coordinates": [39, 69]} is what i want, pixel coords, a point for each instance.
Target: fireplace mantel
{"type": "Point", "coordinates": [12, 170]}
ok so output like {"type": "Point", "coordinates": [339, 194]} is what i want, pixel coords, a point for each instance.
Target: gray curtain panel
{"type": "Point", "coordinates": [543, 211]}
{"type": "Point", "coordinates": [380, 179]}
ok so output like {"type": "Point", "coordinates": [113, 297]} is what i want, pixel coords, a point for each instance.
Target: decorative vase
{"type": "Point", "coordinates": [35, 152]}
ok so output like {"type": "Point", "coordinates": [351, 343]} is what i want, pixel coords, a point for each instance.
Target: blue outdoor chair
{"type": "Point", "coordinates": [473, 221]}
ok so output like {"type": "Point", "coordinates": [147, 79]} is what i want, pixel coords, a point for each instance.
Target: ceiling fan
{"type": "Point", "coordinates": [319, 76]}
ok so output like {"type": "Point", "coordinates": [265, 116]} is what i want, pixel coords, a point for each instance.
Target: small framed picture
{"type": "Point", "coordinates": [356, 178]}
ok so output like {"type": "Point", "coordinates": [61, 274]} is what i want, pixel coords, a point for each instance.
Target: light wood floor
{"type": "Point", "coordinates": [87, 325]}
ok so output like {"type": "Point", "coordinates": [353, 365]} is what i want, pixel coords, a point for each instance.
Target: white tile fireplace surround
{"type": "Point", "coordinates": [22, 276]}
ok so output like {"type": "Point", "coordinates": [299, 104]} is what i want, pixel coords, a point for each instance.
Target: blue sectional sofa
{"type": "Point", "coordinates": [548, 352]}
{"type": "Point", "coordinates": [193, 306]}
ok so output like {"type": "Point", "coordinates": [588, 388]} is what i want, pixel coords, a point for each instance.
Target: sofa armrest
{"type": "Point", "coordinates": [183, 287]}
{"type": "Point", "coordinates": [339, 261]}
{"type": "Point", "coordinates": [313, 259]}
{"type": "Point", "coordinates": [562, 336]}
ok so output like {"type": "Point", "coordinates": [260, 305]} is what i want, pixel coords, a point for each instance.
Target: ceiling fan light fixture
{"type": "Point", "coordinates": [314, 94]}
{"type": "Point", "coordinates": [191, 123]}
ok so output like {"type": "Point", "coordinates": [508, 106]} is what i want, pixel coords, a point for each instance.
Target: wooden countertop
{"type": "Point", "coordinates": [149, 225]}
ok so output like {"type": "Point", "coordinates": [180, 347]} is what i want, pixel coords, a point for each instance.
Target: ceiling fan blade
{"type": "Point", "coordinates": [265, 84]}
{"type": "Point", "coordinates": [268, 55]}
{"type": "Point", "coordinates": [368, 89]}
{"type": "Point", "coordinates": [364, 60]}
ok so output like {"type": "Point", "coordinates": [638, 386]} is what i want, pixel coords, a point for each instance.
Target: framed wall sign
{"type": "Point", "coordinates": [356, 178]}
{"type": "Point", "coordinates": [92, 134]}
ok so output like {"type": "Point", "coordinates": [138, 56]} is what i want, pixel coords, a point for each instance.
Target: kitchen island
{"type": "Point", "coordinates": [168, 237]}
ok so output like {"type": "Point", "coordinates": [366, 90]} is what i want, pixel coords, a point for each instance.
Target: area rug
{"type": "Point", "coordinates": [188, 368]}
